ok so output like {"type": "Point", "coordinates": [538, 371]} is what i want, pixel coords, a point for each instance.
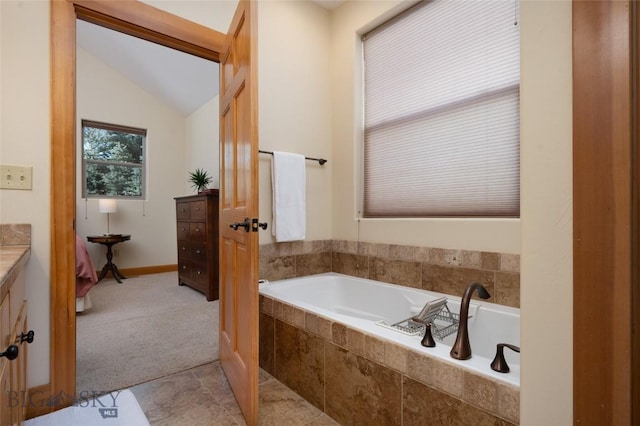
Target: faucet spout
{"type": "Point", "coordinates": [462, 348]}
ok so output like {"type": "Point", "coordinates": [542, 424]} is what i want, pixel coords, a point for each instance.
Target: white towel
{"type": "Point", "coordinates": [288, 177]}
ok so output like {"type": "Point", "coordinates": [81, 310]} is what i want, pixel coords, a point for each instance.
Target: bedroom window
{"type": "Point", "coordinates": [112, 160]}
{"type": "Point", "coordinates": [442, 112]}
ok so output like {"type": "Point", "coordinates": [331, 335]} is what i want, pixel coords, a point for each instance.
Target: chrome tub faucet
{"type": "Point", "coordinates": [461, 348]}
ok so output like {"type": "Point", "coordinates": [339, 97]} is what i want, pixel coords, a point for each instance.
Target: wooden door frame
{"type": "Point", "coordinates": [129, 17]}
{"type": "Point", "coordinates": [635, 230]}
{"type": "Point", "coordinates": [605, 256]}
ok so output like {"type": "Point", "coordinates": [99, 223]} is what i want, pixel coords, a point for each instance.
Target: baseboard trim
{"type": "Point", "coordinates": [145, 270]}
{"type": "Point", "coordinates": [39, 401]}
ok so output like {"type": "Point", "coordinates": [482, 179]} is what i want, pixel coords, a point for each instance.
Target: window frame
{"type": "Point", "coordinates": [143, 164]}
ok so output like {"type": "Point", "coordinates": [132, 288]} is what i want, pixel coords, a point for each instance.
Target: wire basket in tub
{"type": "Point", "coordinates": [443, 321]}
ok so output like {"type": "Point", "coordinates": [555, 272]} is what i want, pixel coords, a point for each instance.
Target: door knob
{"type": "Point", "coordinates": [11, 353]}
{"type": "Point", "coordinates": [28, 337]}
{"type": "Point", "coordinates": [246, 225]}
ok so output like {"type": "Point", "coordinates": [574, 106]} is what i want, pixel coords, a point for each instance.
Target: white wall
{"type": "Point", "coordinates": [216, 14]}
{"type": "Point", "coordinates": [546, 279]}
{"type": "Point", "coordinates": [201, 148]}
{"type": "Point", "coordinates": [294, 42]}
{"type": "Point", "coordinates": [104, 95]}
{"type": "Point", "coordinates": [25, 139]}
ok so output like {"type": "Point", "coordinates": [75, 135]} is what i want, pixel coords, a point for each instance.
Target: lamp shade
{"type": "Point", "coordinates": [107, 205]}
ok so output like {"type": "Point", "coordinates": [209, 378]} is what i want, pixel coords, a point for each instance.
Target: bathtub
{"type": "Point", "coordinates": [366, 305]}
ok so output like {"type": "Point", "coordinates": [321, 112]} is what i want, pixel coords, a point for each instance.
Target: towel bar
{"type": "Point", "coordinates": [319, 160]}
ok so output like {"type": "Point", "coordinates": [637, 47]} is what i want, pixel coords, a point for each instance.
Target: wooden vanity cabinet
{"type": "Point", "coordinates": [6, 387]}
{"type": "Point", "coordinates": [13, 373]}
{"type": "Point", "coordinates": [197, 235]}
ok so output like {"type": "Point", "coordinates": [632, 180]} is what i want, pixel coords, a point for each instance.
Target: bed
{"type": "Point", "coordinates": [86, 276]}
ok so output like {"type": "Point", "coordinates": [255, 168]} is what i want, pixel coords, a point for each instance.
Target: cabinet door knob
{"type": "Point", "coordinates": [11, 353]}
{"type": "Point", "coordinates": [28, 337]}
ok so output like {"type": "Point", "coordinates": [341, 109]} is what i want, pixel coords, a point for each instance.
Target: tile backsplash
{"type": "Point", "coordinates": [15, 234]}
{"type": "Point", "coordinates": [443, 270]}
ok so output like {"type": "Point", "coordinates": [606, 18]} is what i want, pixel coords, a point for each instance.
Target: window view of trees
{"type": "Point", "coordinates": [113, 160]}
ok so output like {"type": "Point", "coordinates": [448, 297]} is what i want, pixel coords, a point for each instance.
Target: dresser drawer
{"type": "Point", "coordinates": [197, 231]}
{"type": "Point", "coordinates": [198, 210]}
{"type": "Point", "coordinates": [183, 211]}
{"type": "Point", "coordinates": [184, 250]}
{"type": "Point", "coordinates": [199, 275]}
{"type": "Point", "coordinates": [198, 252]}
{"type": "Point", "coordinates": [185, 268]}
{"type": "Point", "coordinates": [184, 230]}
{"type": "Point", "coordinates": [192, 251]}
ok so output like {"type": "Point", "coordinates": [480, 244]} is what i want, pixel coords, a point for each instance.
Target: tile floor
{"type": "Point", "coordinates": [202, 396]}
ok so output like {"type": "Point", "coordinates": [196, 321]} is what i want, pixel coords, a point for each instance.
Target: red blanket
{"type": "Point", "coordinates": [86, 276]}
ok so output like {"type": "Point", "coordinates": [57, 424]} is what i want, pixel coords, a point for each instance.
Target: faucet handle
{"type": "Point", "coordinates": [427, 340]}
{"type": "Point", "coordinates": [499, 364]}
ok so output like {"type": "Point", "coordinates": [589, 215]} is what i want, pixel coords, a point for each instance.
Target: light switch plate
{"type": "Point", "coordinates": [15, 177]}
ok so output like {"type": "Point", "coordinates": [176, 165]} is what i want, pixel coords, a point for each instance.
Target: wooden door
{"type": "Point", "coordinates": [604, 228]}
{"type": "Point", "coordinates": [239, 200]}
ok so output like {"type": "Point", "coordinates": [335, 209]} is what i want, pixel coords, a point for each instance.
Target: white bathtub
{"type": "Point", "coordinates": [360, 303]}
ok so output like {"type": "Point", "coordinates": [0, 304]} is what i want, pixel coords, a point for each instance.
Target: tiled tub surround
{"type": "Point", "coordinates": [442, 270]}
{"type": "Point", "coordinates": [355, 376]}
{"type": "Point", "coordinates": [363, 304]}
{"type": "Point", "coordinates": [358, 378]}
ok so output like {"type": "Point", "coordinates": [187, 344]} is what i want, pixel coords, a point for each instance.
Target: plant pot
{"type": "Point", "coordinates": [208, 191]}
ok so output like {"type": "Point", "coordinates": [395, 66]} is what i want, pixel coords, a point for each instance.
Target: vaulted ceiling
{"type": "Point", "coordinates": [183, 81]}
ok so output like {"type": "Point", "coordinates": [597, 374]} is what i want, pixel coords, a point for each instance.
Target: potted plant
{"type": "Point", "coordinates": [199, 179]}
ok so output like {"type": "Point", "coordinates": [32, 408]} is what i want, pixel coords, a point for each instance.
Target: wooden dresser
{"type": "Point", "coordinates": [197, 226]}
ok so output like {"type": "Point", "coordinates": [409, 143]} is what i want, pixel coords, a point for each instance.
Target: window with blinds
{"type": "Point", "coordinates": [442, 112]}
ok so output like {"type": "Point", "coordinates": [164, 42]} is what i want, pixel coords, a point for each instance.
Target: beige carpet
{"type": "Point", "coordinates": [145, 328]}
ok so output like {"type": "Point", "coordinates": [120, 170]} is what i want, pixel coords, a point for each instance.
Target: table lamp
{"type": "Point", "coordinates": [107, 206]}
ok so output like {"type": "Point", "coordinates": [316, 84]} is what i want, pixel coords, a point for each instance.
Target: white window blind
{"type": "Point", "coordinates": [442, 111]}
